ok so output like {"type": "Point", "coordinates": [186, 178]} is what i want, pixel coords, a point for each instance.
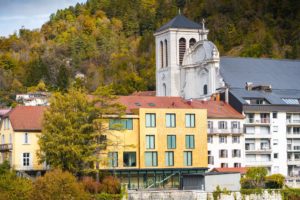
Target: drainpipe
{"type": "Point", "coordinates": [226, 95]}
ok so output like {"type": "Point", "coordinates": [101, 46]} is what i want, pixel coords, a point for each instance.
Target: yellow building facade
{"type": "Point", "coordinates": [158, 143]}
{"type": "Point", "coordinates": [19, 131]}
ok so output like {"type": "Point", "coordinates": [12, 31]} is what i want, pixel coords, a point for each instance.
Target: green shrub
{"type": "Point", "coordinates": [247, 183]}
{"type": "Point", "coordinates": [290, 194]}
{"type": "Point", "coordinates": [254, 178]}
{"type": "Point", "coordinates": [13, 187]}
{"type": "Point", "coordinates": [105, 196]}
{"type": "Point", "coordinates": [275, 181]}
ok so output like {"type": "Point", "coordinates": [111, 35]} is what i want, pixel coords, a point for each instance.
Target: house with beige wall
{"type": "Point", "coordinates": [19, 131]}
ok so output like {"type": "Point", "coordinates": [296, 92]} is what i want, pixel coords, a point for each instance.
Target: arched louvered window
{"type": "Point", "coordinates": [162, 54]}
{"type": "Point", "coordinates": [182, 47]}
{"type": "Point", "coordinates": [166, 50]}
{"type": "Point", "coordinates": [205, 89]}
{"type": "Point", "coordinates": [192, 42]}
{"type": "Point", "coordinates": [164, 90]}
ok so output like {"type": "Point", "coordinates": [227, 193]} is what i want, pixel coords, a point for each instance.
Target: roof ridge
{"type": "Point", "coordinates": [273, 59]}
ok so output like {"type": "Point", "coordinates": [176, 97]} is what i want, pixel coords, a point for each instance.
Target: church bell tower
{"type": "Point", "coordinates": [172, 40]}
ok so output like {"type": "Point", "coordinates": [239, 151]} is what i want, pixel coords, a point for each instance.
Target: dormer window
{"type": "Point", "coordinates": [256, 101]}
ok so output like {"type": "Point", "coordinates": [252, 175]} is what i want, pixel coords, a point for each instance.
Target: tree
{"type": "Point", "coordinates": [254, 177]}
{"type": "Point", "coordinates": [73, 129]}
{"type": "Point", "coordinates": [275, 181]}
{"type": "Point", "coordinates": [13, 187]}
{"type": "Point", "coordinates": [58, 185]}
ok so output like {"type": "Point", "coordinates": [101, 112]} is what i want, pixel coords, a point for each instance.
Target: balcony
{"type": "Point", "coordinates": [293, 148]}
{"type": "Point", "coordinates": [252, 163]}
{"type": "Point", "coordinates": [263, 150]}
{"type": "Point", "coordinates": [225, 131]}
{"type": "Point", "coordinates": [293, 121]}
{"type": "Point", "coordinates": [257, 121]}
{"type": "Point", "coordinates": [293, 135]}
{"type": "Point", "coordinates": [258, 135]}
{"type": "Point", "coordinates": [293, 162]}
{"type": "Point", "coordinates": [5, 147]}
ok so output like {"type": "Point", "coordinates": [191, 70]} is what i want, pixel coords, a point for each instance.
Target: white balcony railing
{"type": "Point", "coordinates": [293, 121]}
{"type": "Point", "coordinates": [257, 121]}
{"type": "Point", "coordinates": [228, 131]}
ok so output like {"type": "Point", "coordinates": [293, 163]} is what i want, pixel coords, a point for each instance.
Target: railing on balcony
{"type": "Point", "coordinates": [259, 149]}
{"type": "Point", "coordinates": [258, 121]}
{"type": "Point", "coordinates": [293, 121]}
{"type": "Point", "coordinates": [229, 131]}
{"type": "Point", "coordinates": [5, 147]}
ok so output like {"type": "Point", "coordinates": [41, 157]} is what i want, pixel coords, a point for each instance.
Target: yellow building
{"type": "Point", "coordinates": [19, 130]}
{"type": "Point", "coordinates": [164, 137]}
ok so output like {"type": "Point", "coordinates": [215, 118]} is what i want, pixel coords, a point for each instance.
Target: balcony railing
{"type": "Point", "coordinates": [221, 131]}
{"type": "Point", "coordinates": [293, 121]}
{"type": "Point", "coordinates": [258, 121]}
{"type": "Point", "coordinates": [5, 147]}
{"type": "Point", "coordinates": [263, 149]}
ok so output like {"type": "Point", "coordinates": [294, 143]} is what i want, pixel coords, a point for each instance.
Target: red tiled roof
{"type": "Point", "coordinates": [241, 170]}
{"type": "Point", "coordinates": [215, 109]}
{"type": "Point", "coordinates": [144, 93]}
{"type": "Point", "coordinates": [27, 118]}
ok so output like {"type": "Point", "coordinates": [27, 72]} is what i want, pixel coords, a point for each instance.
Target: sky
{"type": "Point", "coordinates": [31, 14]}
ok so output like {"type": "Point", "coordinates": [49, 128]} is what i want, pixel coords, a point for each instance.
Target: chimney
{"type": "Point", "coordinates": [249, 86]}
{"type": "Point", "coordinates": [226, 95]}
{"type": "Point", "coordinates": [190, 101]}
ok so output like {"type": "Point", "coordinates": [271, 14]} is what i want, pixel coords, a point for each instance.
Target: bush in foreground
{"type": "Point", "coordinates": [58, 185]}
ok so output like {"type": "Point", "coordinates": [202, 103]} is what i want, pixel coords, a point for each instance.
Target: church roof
{"type": "Point", "coordinates": [180, 21]}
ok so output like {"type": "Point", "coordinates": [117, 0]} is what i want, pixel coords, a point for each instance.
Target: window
{"type": "Point", "coordinates": [210, 125]}
{"type": "Point", "coordinates": [257, 101]}
{"type": "Point", "coordinates": [223, 153]}
{"type": "Point", "coordinates": [169, 158]}
{"type": "Point", "coordinates": [171, 140]}
{"type": "Point", "coordinates": [205, 89]}
{"type": "Point", "coordinates": [150, 119]}
{"type": "Point", "coordinates": [189, 142]}
{"type": "Point", "coordinates": [170, 120]}
{"type": "Point", "coordinates": [224, 165]}
{"type": "Point", "coordinates": [237, 165]}
{"type": "Point", "coordinates": [102, 140]}
{"type": "Point", "coordinates": [3, 139]}
{"type": "Point", "coordinates": [6, 123]}
{"type": "Point", "coordinates": [162, 54]}
{"type": "Point", "coordinates": [235, 125]}
{"type": "Point", "coordinates": [223, 139]}
{"type": "Point", "coordinates": [113, 159]}
{"type": "Point", "coordinates": [190, 120]}
{"type": "Point", "coordinates": [119, 124]}
{"type": "Point", "coordinates": [188, 158]}
{"type": "Point", "coordinates": [25, 138]}
{"type": "Point", "coordinates": [236, 153]}
{"type": "Point", "coordinates": [129, 159]}
{"type": "Point", "coordinates": [166, 50]}
{"type": "Point", "coordinates": [164, 89]}
{"type": "Point", "coordinates": [210, 139]}
{"type": "Point", "coordinates": [274, 115]}
{"type": "Point", "coordinates": [275, 142]}
{"type": "Point", "coordinates": [275, 128]}
{"type": "Point", "coordinates": [26, 159]}
{"type": "Point", "coordinates": [192, 42]}
{"type": "Point", "coordinates": [276, 155]}
{"type": "Point", "coordinates": [182, 47]}
{"type": "Point", "coordinates": [235, 139]}
{"type": "Point", "coordinates": [150, 141]}
{"type": "Point", "coordinates": [222, 125]}
{"type": "Point", "coordinates": [150, 159]}
{"type": "Point", "coordinates": [291, 101]}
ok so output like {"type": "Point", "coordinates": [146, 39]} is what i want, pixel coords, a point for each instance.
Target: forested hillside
{"type": "Point", "coordinates": [111, 41]}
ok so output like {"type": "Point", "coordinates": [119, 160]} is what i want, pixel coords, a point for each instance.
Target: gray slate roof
{"type": "Point", "coordinates": [282, 75]}
{"type": "Point", "coordinates": [180, 21]}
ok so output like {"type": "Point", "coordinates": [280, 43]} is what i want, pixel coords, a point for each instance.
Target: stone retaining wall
{"type": "Point", "coordinates": [197, 195]}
